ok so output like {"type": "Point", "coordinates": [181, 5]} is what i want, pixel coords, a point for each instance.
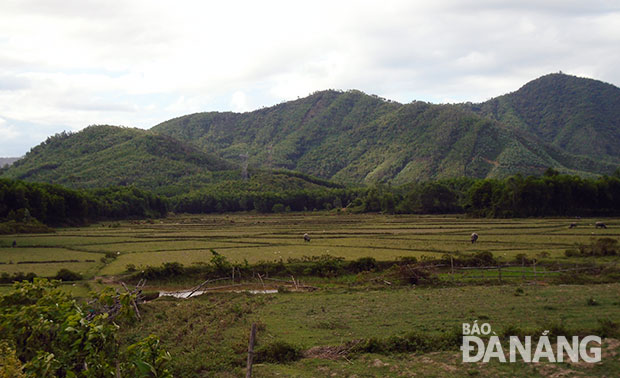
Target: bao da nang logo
{"type": "Point", "coordinates": [477, 348]}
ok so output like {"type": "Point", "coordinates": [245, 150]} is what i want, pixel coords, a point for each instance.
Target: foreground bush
{"type": "Point", "coordinates": [50, 335]}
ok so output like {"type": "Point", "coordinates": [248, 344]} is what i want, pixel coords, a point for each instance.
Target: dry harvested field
{"type": "Point", "coordinates": [251, 237]}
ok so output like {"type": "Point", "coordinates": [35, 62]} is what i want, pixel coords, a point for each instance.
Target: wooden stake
{"type": "Point", "coordinates": [452, 267]}
{"type": "Point", "coordinates": [248, 368]}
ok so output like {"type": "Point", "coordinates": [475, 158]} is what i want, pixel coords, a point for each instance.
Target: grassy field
{"type": "Point", "coordinates": [251, 237]}
{"type": "Point", "coordinates": [208, 335]}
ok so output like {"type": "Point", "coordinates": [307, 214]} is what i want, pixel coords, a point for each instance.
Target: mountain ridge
{"type": "Point", "coordinates": [343, 125]}
{"type": "Point", "coordinates": [350, 137]}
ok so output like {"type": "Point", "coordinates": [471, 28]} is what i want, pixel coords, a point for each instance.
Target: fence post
{"type": "Point", "coordinates": [499, 270]}
{"type": "Point", "coordinates": [523, 268]}
{"type": "Point", "coordinates": [452, 266]}
{"type": "Point", "coordinates": [535, 282]}
{"type": "Point", "coordinates": [248, 368]}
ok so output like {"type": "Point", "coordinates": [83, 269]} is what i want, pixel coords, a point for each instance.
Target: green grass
{"type": "Point", "coordinates": [208, 334]}
{"type": "Point", "coordinates": [334, 317]}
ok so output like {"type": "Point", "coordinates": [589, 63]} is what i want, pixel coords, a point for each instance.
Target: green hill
{"type": "Point", "coordinates": [352, 137]}
{"type": "Point", "coordinates": [101, 156]}
{"type": "Point", "coordinates": [559, 121]}
{"type": "Point", "coordinates": [580, 116]}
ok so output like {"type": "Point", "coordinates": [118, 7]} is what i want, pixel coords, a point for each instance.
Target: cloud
{"type": "Point", "coordinates": [13, 82]}
{"type": "Point", "coordinates": [7, 131]}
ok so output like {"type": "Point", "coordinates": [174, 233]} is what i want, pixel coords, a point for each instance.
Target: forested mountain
{"type": "Point", "coordinates": [581, 116]}
{"type": "Point", "coordinates": [558, 121]}
{"type": "Point", "coordinates": [354, 137]}
{"type": "Point", "coordinates": [101, 156]}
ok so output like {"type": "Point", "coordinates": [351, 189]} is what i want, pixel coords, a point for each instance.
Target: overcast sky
{"type": "Point", "coordinates": [67, 64]}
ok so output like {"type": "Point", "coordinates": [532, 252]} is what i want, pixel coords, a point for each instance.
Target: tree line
{"type": "Point", "coordinates": [552, 194]}
{"type": "Point", "coordinates": [23, 201]}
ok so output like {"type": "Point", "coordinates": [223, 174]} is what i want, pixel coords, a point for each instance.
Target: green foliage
{"type": "Point", "coordinates": [10, 365]}
{"type": "Point", "coordinates": [278, 352]}
{"type": "Point", "coordinates": [410, 342]}
{"type": "Point", "coordinates": [31, 227]}
{"type": "Point", "coordinates": [53, 335]}
{"type": "Point", "coordinates": [414, 275]}
{"type": "Point", "coordinates": [24, 204]}
{"type": "Point", "coordinates": [600, 247]}
{"type": "Point", "coordinates": [16, 277]}
{"type": "Point", "coordinates": [550, 195]}
{"type": "Point", "coordinates": [575, 114]}
{"type": "Point", "coordinates": [363, 264]}
{"type": "Point", "coordinates": [103, 156]}
{"type": "Point", "coordinates": [65, 274]}
{"type": "Point", "coordinates": [567, 123]}
{"type": "Point", "coordinates": [148, 359]}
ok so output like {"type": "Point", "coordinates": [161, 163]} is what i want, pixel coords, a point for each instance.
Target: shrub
{"type": "Point", "coordinates": [363, 264]}
{"type": "Point", "coordinates": [414, 275]}
{"type": "Point", "coordinates": [278, 352]}
{"type": "Point", "coordinates": [53, 336]}
{"type": "Point", "coordinates": [67, 275]}
{"type": "Point", "coordinates": [406, 260]}
{"type": "Point", "coordinates": [278, 208]}
{"type": "Point", "coordinates": [522, 258]}
{"type": "Point", "coordinates": [17, 277]}
{"type": "Point", "coordinates": [608, 328]}
{"type": "Point", "coordinates": [600, 247]}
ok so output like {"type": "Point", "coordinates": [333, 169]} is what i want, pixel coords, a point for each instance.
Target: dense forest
{"type": "Point", "coordinates": [560, 121]}
{"type": "Point", "coordinates": [551, 194]}
{"type": "Point", "coordinates": [54, 205]}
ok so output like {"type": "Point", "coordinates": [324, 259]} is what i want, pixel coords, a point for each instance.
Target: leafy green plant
{"type": "Point", "coordinates": [55, 336]}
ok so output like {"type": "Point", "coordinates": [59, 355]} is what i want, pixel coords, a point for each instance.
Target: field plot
{"type": "Point", "coordinates": [208, 334]}
{"type": "Point", "coordinates": [340, 316]}
{"type": "Point", "coordinates": [251, 237]}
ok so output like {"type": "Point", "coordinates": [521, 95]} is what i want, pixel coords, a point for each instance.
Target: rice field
{"type": "Point", "coordinates": [255, 237]}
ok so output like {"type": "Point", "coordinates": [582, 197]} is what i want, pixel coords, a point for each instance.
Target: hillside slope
{"type": "Point", "coordinates": [354, 137]}
{"type": "Point", "coordinates": [581, 116]}
{"type": "Point", "coordinates": [559, 121]}
{"type": "Point", "coordinates": [100, 156]}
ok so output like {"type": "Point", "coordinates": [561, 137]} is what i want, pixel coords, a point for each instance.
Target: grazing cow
{"type": "Point", "coordinates": [599, 225]}
{"type": "Point", "coordinates": [573, 225]}
{"type": "Point", "coordinates": [306, 237]}
{"type": "Point", "coordinates": [474, 237]}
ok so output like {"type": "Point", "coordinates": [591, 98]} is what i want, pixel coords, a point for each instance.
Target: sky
{"type": "Point", "coordinates": [68, 64]}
